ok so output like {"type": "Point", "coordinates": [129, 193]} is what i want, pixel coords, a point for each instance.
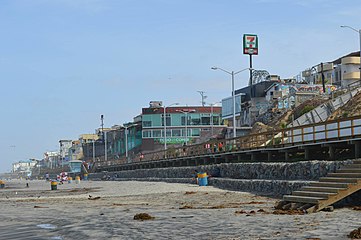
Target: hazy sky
{"type": "Point", "coordinates": [63, 63]}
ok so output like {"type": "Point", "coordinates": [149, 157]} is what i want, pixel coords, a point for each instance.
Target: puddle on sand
{"type": "Point", "coordinates": [46, 226]}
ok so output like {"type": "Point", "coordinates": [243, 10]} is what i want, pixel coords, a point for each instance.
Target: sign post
{"type": "Point", "coordinates": [250, 47]}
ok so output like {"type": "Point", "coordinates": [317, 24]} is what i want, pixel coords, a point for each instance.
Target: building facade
{"type": "Point", "coordinates": [178, 125]}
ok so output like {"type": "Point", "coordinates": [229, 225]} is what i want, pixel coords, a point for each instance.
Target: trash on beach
{"type": "Point", "coordinates": [355, 234]}
{"type": "Point", "coordinates": [190, 192]}
{"type": "Point", "coordinates": [240, 212]}
{"type": "Point", "coordinates": [288, 212]}
{"type": "Point", "coordinates": [93, 198]}
{"type": "Point", "coordinates": [40, 207]}
{"type": "Point", "coordinates": [46, 226]}
{"type": "Point", "coordinates": [186, 207]}
{"type": "Point", "coordinates": [142, 217]}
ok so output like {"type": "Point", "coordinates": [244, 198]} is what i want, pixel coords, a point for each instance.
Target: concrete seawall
{"type": "Point", "coordinates": [274, 179]}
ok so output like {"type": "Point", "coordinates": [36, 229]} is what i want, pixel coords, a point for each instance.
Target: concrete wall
{"type": "Point", "coordinates": [265, 178]}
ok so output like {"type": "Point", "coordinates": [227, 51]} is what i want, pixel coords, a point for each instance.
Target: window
{"type": "Point", "coordinates": [206, 120]}
{"type": "Point", "coordinates": [147, 134]}
{"type": "Point", "coordinates": [216, 120]}
{"type": "Point", "coordinates": [176, 132]}
{"type": "Point", "coordinates": [147, 123]}
{"type": "Point", "coordinates": [169, 133]}
{"type": "Point", "coordinates": [167, 119]}
{"type": "Point", "coordinates": [195, 132]}
{"type": "Point", "coordinates": [195, 121]}
{"type": "Point", "coordinates": [157, 133]}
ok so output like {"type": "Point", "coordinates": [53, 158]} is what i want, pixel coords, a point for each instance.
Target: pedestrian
{"type": "Point", "coordinates": [220, 146]}
{"type": "Point", "coordinates": [47, 176]}
{"type": "Point", "coordinates": [184, 148]}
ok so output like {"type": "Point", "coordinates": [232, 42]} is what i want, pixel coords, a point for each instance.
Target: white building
{"type": "Point", "coordinates": [24, 167]}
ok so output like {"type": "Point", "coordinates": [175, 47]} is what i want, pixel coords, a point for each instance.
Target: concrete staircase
{"type": "Point", "coordinates": [327, 191]}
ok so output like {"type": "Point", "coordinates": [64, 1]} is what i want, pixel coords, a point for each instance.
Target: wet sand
{"type": "Point", "coordinates": [106, 210]}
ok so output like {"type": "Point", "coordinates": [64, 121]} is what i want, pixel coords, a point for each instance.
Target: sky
{"type": "Point", "coordinates": [63, 63]}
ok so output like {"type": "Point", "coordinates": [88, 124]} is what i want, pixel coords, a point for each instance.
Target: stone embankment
{"type": "Point", "coordinates": [275, 179]}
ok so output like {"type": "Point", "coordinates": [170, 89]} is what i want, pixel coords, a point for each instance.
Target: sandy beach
{"type": "Point", "coordinates": [106, 210]}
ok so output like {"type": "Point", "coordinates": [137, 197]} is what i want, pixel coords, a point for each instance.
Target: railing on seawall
{"type": "Point", "coordinates": [346, 128]}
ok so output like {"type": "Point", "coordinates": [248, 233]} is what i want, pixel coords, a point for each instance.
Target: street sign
{"type": "Point", "coordinates": [250, 44]}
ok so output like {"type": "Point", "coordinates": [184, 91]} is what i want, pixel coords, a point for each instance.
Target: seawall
{"type": "Point", "coordinates": [275, 179]}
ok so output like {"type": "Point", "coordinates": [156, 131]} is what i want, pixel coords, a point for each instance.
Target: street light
{"type": "Point", "coordinates": [126, 140]}
{"type": "Point", "coordinates": [233, 94]}
{"type": "Point", "coordinates": [186, 111]}
{"type": "Point", "coordinates": [93, 148]}
{"type": "Point", "coordinates": [359, 32]}
{"type": "Point", "coordinates": [165, 123]}
{"type": "Point", "coordinates": [211, 120]}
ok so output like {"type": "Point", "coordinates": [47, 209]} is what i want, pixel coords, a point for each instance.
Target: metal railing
{"type": "Point", "coordinates": [346, 128]}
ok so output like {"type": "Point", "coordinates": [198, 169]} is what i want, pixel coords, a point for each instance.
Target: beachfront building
{"type": "Point", "coordinates": [64, 146]}
{"type": "Point", "coordinates": [24, 167]}
{"type": "Point", "coordinates": [176, 125]}
{"type": "Point", "coordinates": [250, 102]}
{"type": "Point", "coordinates": [182, 125]}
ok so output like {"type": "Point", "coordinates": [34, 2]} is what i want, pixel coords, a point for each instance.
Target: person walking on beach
{"type": "Point", "coordinates": [47, 176]}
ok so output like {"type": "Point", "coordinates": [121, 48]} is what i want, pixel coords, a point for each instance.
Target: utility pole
{"type": "Point", "coordinates": [203, 97]}
{"type": "Point", "coordinates": [323, 79]}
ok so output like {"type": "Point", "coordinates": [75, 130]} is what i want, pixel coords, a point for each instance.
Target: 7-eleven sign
{"type": "Point", "coordinates": [250, 44]}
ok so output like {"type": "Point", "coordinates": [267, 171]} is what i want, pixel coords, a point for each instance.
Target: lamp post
{"type": "Point", "coordinates": [359, 32]}
{"type": "Point", "coordinates": [105, 147]}
{"type": "Point", "coordinates": [165, 123]}
{"type": "Point", "coordinates": [186, 111]}
{"type": "Point", "coordinates": [126, 140]}
{"type": "Point", "coordinates": [93, 149]}
{"type": "Point", "coordinates": [233, 94]}
{"type": "Point", "coordinates": [211, 120]}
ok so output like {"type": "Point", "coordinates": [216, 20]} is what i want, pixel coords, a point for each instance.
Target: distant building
{"type": "Point", "coordinates": [24, 167]}
{"type": "Point", "coordinates": [51, 159]}
{"type": "Point", "coordinates": [65, 145]}
{"type": "Point", "coordinates": [342, 71]}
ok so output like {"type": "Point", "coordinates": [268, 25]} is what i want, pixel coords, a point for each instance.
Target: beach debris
{"type": "Point", "coordinates": [190, 192]}
{"type": "Point", "coordinates": [254, 202]}
{"type": "Point", "coordinates": [186, 207]}
{"type": "Point", "coordinates": [143, 217]}
{"type": "Point", "coordinates": [40, 206]}
{"type": "Point", "coordinates": [217, 207]}
{"type": "Point", "coordinates": [288, 212]}
{"type": "Point", "coordinates": [328, 209]}
{"type": "Point", "coordinates": [240, 212]}
{"type": "Point", "coordinates": [93, 198]}
{"type": "Point", "coordinates": [357, 208]}
{"type": "Point", "coordinates": [355, 234]}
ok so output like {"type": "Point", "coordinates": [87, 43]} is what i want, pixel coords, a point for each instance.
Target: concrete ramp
{"type": "Point", "coordinates": [327, 191]}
